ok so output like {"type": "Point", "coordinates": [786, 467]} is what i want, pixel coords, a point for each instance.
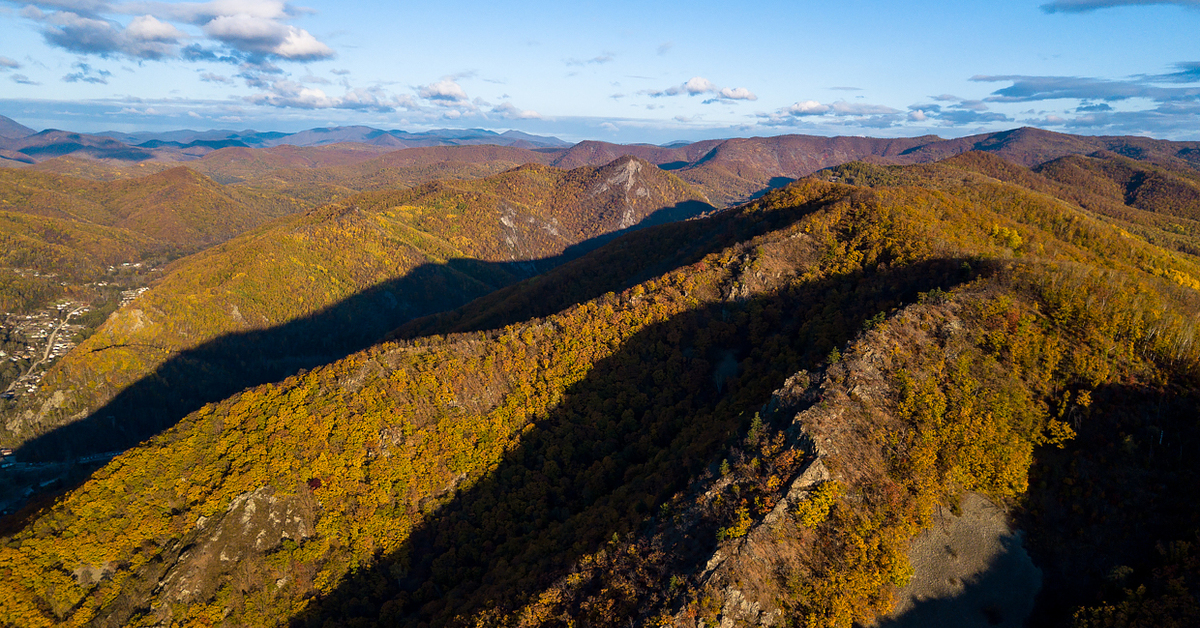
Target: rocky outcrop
{"type": "Point", "coordinates": [255, 523]}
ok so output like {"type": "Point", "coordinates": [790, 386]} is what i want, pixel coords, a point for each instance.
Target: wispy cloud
{"type": "Point", "coordinates": [84, 74]}
{"type": "Point", "coordinates": [210, 77]}
{"type": "Point", "coordinates": [7, 64]}
{"type": "Point", "coordinates": [293, 94]}
{"type": "Point", "coordinates": [862, 114]}
{"type": "Point", "coordinates": [23, 80]}
{"type": "Point", "coordinates": [1157, 104]}
{"type": "Point", "coordinates": [1026, 88]}
{"type": "Point", "coordinates": [698, 85]}
{"type": "Point", "coordinates": [1081, 6]}
{"type": "Point", "coordinates": [599, 59]}
{"type": "Point", "coordinates": [1187, 72]}
{"type": "Point", "coordinates": [954, 116]}
{"type": "Point", "coordinates": [1164, 120]}
{"type": "Point", "coordinates": [1034, 88]}
{"type": "Point", "coordinates": [509, 111]}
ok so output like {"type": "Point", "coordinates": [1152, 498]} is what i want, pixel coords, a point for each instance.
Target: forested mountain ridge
{"type": "Point", "coordinates": [75, 231]}
{"type": "Point", "coordinates": [623, 454]}
{"type": "Point", "coordinates": [315, 286]}
{"type": "Point", "coordinates": [736, 169]}
{"type": "Point", "coordinates": [177, 207]}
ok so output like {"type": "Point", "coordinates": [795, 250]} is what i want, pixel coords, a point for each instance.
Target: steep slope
{"type": "Point", "coordinates": [316, 286]}
{"type": "Point", "coordinates": [187, 209]}
{"type": "Point", "coordinates": [178, 207]}
{"type": "Point", "coordinates": [751, 435]}
{"type": "Point", "coordinates": [592, 152]}
{"type": "Point", "coordinates": [1137, 184]}
{"type": "Point", "coordinates": [12, 129]}
{"type": "Point", "coordinates": [1029, 147]}
{"type": "Point", "coordinates": [733, 170]}
{"type": "Point", "coordinates": [739, 168]}
{"type": "Point", "coordinates": [43, 258]}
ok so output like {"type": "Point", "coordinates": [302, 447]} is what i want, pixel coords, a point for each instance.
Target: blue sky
{"type": "Point", "coordinates": [613, 70]}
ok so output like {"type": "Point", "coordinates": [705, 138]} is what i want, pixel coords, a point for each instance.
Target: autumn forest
{"type": "Point", "coordinates": [727, 383]}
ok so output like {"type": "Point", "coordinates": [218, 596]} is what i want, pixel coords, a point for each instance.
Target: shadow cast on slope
{"type": "Point", "coordinates": [1100, 511]}
{"type": "Point", "coordinates": [1001, 596]}
{"type": "Point", "coordinates": [230, 363]}
{"type": "Point", "coordinates": [643, 424]}
{"type": "Point", "coordinates": [624, 262]}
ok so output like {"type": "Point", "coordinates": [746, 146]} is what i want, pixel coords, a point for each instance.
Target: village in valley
{"type": "Point", "coordinates": [30, 343]}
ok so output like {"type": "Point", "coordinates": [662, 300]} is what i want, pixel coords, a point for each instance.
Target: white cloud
{"type": "Point", "coordinates": [610, 127]}
{"type": "Point", "coordinates": [300, 45]}
{"type": "Point", "coordinates": [147, 28]}
{"type": "Point", "coordinates": [8, 64]}
{"type": "Point", "coordinates": [202, 12]}
{"type": "Point", "coordinates": [806, 108]}
{"type": "Point", "coordinates": [245, 29]}
{"type": "Point", "coordinates": [266, 36]}
{"type": "Point", "coordinates": [444, 90]}
{"type": "Point", "coordinates": [699, 85]}
{"type": "Point", "coordinates": [738, 93]}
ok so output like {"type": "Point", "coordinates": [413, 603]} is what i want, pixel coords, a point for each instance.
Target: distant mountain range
{"type": "Point", "coordinates": [727, 170]}
{"type": "Point", "coordinates": [22, 145]}
{"type": "Point", "coordinates": [335, 135]}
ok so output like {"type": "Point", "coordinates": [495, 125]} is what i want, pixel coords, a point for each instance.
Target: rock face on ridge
{"type": "Point", "coordinates": [255, 523]}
